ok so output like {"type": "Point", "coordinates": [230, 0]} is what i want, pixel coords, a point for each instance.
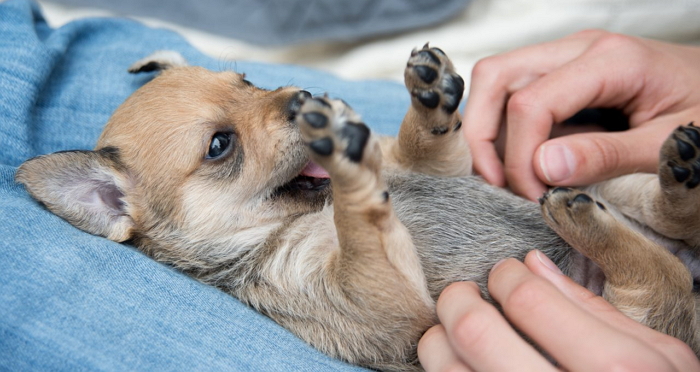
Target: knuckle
{"type": "Point", "coordinates": [617, 43]}
{"type": "Point", "coordinates": [521, 102]}
{"type": "Point", "coordinates": [488, 67]}
{"type": "Point", "coordinates": [610, 154]}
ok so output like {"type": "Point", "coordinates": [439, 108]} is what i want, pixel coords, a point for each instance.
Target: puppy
{"type": "Point", "coordinates": [290, 204]}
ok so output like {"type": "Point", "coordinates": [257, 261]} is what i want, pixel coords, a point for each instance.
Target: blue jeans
{"type": "Point", "coordinates": [73, 301]}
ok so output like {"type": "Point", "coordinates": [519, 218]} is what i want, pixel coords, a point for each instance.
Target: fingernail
{"type": "Point", "coordinates": [557, 162]}
{"type": "Point", "coordinates": [547, 262]}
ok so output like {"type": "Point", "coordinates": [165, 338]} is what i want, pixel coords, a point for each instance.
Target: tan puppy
{"type": "Point", "coordinates": [288, 203]}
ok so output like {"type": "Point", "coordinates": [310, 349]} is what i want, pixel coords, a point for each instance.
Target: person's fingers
{"type": "Point", "coordinates": [475, 330]}
{"type": "Point", "coordinates": [586, 158]}
{"type": "Point", "coordinates": [675, 350]}
{"type": "Point", "coordinates": [435, 352]}
{"type": "Point", "coordinates": [495, 78]}
{"type": "Point", "coordinates": [588, 81]}
{"type": "Point", "coordinates": [578, 340]}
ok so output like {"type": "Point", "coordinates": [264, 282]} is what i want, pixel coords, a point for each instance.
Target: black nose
{"type": "Point", "coordinates": [294, 104]}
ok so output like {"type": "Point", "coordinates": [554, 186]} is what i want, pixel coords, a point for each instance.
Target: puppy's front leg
{"type": "Point", "coordinates": [430, 140]}
{"type": "Point", "coordinates": [376, 250]}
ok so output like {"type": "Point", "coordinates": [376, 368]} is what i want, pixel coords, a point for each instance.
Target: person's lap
{"type": "Point", "coordinates": [73, 301]}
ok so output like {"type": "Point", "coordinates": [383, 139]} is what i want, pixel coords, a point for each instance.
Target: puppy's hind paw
{"type": "Point", "coordinates": [680, 158]}
{"type": "Point", "coordinates": [577, 217]}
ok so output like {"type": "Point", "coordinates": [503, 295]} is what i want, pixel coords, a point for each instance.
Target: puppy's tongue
{"type": "Point", "coordinates": [314, 170]}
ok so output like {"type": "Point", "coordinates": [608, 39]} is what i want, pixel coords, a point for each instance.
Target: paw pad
{"type": "Point", "coordinates": [330, 125]}
{"type": "Point", "coordinates": [323, 146]}
{"type": "Point", "coordinates": [357, 135]}
{"type": "Point", "coordinates": [316, 119]}
{"type": "Point", "coordinates": [681, 152]}
{"type": "Point", "coordinates": [431, 79]}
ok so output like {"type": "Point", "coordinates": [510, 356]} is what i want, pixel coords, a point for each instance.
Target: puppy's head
{"type": "Point", "coordinates": [192, 157]}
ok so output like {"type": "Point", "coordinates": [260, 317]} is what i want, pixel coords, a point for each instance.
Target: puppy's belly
{"type": "Point", "coordinates": [462, 226]}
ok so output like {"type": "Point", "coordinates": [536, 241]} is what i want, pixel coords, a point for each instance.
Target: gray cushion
{"type": "Point", "coordinates": [280, 22]}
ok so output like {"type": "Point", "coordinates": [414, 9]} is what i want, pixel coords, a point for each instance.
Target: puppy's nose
{"type": "Point", "coordinates": [294, 104]}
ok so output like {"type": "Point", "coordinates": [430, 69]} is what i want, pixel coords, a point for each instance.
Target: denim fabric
{"type": "Point", "coordinates": [70, 301]}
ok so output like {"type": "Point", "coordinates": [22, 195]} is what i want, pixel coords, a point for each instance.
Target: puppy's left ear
{"type": "Point", "coordinates": [86, 188]}
{"type": "Point", "coordinates": [158, 61]}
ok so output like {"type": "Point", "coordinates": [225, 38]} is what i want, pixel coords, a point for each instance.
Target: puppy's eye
{"type": "Point", "coordinates": [219, 145]}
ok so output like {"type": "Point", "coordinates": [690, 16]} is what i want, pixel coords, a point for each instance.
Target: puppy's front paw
{"type": "Point", "coordinates": [338, 140]}
{"type": "Point", "coordinates": [433, 83]}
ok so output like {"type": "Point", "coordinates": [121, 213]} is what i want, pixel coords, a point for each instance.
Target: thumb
{"type": "Point", "coordinates": [586, 158]}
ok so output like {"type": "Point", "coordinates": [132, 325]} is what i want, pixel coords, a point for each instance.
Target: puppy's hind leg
{"type": "Point", "coordinates": [430, 140]}
{"type": "Point", "coordinates": [643, 279]}
{"type": "Point", "coordinates": [669, 203]}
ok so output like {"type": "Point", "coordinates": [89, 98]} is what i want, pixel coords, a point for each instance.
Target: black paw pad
{"type": "Point", "coordinates": [438, 50]}
{"type": "Point", "coordinates": [695, 178]}
{"type": "Point", "coordinates": [322, 146]}
{"type": "Point", "coordinates": [323, 102]}
{"type": "Point", "coordinates": [679, 173]}
{"type": "Point", "coordinates": [453, 88]}
{"type": "Point", "coordinates": [560, 189]}
{"type": "Point", "coordinates": [685, 150]}
{"type": "Point", "coordinates": [439, 131]}
{"type": "Point", "coordinates": [385, 196]}
{"type": "Point", "coordinates": [429, 99]}
{"type": "Point", "coordinates": [316, 119]}
{"type": "Point", "coordinates": [580, 198]}
{"type": "Point", "coordinates": [431, 56]}
{"type": "Point", "coordinates": [357, 135]}
{"type": "Point", "coordinates": [692, 134]}
{"type": "Point", "coordinates": [457, 126]}
{"type": "Point", "coordinates": [426, 73]}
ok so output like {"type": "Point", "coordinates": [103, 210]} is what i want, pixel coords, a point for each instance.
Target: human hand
{"type": "Point", "coordinates": [581, 331]}
{"type": "Point", "coordinates": [534, 88]}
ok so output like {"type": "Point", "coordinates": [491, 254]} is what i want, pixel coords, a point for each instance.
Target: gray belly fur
{"type": "Point", "coordinates": [461, 227]}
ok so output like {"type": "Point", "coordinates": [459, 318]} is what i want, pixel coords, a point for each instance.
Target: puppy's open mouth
{"type": "Point", "coordinates": [312, 178]}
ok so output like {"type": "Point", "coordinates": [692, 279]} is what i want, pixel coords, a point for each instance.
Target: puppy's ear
{"type": "Point", "coordinates": [86, 188]}
{"type": "Point", "coordinates": [158, 61]}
